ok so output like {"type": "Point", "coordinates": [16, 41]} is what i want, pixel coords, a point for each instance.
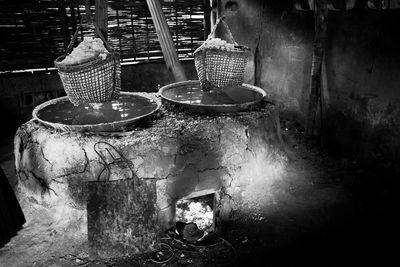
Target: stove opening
{"type": "Point", "coordinates": [198, 210]}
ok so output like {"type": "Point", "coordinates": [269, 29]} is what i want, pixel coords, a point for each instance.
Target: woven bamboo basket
{"type": "Point", "coordinates": [95, 81]}
{"type": "Point", "coordinates": [217, 68]}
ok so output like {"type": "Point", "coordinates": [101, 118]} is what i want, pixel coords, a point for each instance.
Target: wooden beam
{"type": "Point", "coordinates": [101, 16]}
{"type": "Point", "coordinates": [321, 25]}
{"type": "Point", "coordinates": [165, 39]}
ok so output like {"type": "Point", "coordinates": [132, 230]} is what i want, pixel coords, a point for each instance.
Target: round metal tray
{"type": "Point", "coordinates": [115, 115]}
{"type": "Point", "coordinates": [189, 95]}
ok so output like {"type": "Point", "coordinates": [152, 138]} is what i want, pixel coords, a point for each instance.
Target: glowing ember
{"type": "Point", "coordinates": [195, 211]}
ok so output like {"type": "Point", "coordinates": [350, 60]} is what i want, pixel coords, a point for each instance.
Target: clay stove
{"type": "Point", "coordinates": [177, 155]}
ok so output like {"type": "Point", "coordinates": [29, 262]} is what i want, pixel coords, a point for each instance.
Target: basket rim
{"type": "Point", "coordinates": [76, 67]}
{"type": "Point", "coordinates": [241, 50]}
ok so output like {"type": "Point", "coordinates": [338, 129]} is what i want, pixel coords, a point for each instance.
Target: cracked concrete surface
{"type": "Point", "coordinates": [304, 196]}
{"type": "Point", "coordinates": [238, 155]}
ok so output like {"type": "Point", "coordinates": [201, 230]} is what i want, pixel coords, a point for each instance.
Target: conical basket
{"type": "Point", "coordinates": [95, 81]}
{"type": "Point", "coordinates": [218, 68]}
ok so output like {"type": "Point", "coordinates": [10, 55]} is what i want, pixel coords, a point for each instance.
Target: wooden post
{"type": "Point", "coordinates": [207, 18]}
{"type": "Point", "coordinates": [219, 8]}
{"type": "Point", "coordinates": [259, 51]}
{"type": "Point", "coordinates": [220, 32]}
{"type": "Point", "coordinates": [214, 11]}
{"type": "Point", "coordinates": [101, 16]}
{"type": "Point", "coordinates": [321, 25]}
{"type": "Point", "coordinates": [88, 11]}
{"type": "Point", "coordinates": [165, 39]}
{"type": "Point", "coordinates": [63, 20]}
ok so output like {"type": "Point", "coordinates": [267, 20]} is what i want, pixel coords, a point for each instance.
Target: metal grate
{"type": "Point", "coordinates": [35, 32]}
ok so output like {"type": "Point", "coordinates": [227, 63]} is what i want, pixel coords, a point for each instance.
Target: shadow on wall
{"type": "Point", "coordinates": [281, 44]}
{"type": "Point", "coordinates": [17, 109]}
{"type": "Point", "coordinates": [147, 77]}
{"type": "Point", "coordinates": [362, 70]}
{"type": "Point", "coordinates": [361, 77]}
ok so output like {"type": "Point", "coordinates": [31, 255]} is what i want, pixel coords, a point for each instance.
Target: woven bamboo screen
{"type": "Point", "coordinates": [35, 32]}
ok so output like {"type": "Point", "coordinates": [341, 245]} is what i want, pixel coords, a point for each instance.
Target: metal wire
{"type": "Point", "coordinates": [115, 160]}
{"type": "Point", "coordinates": [195, 248]}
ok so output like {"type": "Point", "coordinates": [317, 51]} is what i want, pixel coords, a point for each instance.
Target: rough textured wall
{"type": "Point", "coordinates": [361, 72]}
{"type": "Point", "coordinates": [363, 78]}
{"type": "Point", "coordinates": [280, 40]}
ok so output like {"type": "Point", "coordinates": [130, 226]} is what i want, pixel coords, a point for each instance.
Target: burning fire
{"type": "Point", "coordinates": [194, 211]}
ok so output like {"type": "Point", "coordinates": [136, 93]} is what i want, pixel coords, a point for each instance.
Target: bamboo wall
{"type": "Point", "coordinates": [34, 32]}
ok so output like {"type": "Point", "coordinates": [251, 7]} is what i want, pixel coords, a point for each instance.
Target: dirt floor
{"type": "Point", "coordinates": [346, 218]}
{"type": "Point", "coordinates": [325, 212]}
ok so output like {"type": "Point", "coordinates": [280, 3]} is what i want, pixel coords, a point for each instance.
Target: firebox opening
{"type": "Point", "coordinates": [198, 210]}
